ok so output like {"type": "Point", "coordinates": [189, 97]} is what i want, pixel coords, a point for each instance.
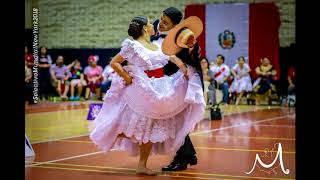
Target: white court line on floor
{"type": "Point", "coordinates": [228, 114]}
{"type": "Point", "coordinates": [270, 125]}
{"type": "Point", "coordinates": [67, 158]}
{"type": "Point", "coordinates": [201, 132]}
{"type": "Point", "coordinates": [255, 110]}
{"type": "Point", "coordinates": [238, 125]}
{"type": "Point", "coordinates": [37, 142]}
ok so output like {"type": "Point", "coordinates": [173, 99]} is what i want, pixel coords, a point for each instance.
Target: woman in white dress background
{"type": "Point", "coordinates": [242, 80]}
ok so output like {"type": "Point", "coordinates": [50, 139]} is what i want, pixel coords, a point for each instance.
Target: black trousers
{"type": "Point", "coordinates": [185, 151]}
{"type": "Point", "coordinates": [45, 86]}
{"type": "Point", "coordinates": [28, 92]}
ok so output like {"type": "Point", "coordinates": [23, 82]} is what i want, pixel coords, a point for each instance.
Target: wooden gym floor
{"type": "Point", "coordinates": [226, 149]}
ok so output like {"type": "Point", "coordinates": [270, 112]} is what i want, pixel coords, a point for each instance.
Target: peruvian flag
{"type": "Point", "coordinates": [240, 29]}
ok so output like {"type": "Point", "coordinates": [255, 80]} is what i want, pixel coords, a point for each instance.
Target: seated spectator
{"type": "Point", "coordinates": [76, 79]}
{"type": "Point", "coordinates": [28, 84]}
{"type": "Point", "coordinates": [263, 85]}
{"type": "Point", "coordinates": [28, 57]}
{"type": "Point", "coordinates": [93, 74]}
{"type": "Point", "coordinates": [60, 75]}
{"type": "Point", "coordinates": [221, 74]}
{"type": "Point", "coordinates": [291, 80]}
{"type": "Point", "coordinates": [291, 98]}
{"type": "Point", "coordinates": [209, 77]}
{"type": "Point", "coordinates": [107, 74]}
{"type": "Point", "coordinates": [242, 80]}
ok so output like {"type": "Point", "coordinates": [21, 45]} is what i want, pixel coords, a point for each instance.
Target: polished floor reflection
{"type": "Point", "coordinates": [226, 149]}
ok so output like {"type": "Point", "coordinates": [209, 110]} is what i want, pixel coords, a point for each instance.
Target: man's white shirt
{"type": "Point", "coordinates": [220, 72]}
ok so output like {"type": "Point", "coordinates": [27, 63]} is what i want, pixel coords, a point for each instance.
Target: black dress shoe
{"type": "Point", "coordinates": [181, 165]}
{"type": "Point", "coordinates": [170, 166]}
{"type": "Point", "coordinates": [176, 167]}
{"type": "Point", "coordinates": [193, 160]}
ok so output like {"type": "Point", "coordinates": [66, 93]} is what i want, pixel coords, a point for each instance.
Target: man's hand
{"type": "Point", "coordinates": [128, 80]}
{"type": "Point", "coordinates": [184, 70]}
{"type": "Point", "coordinates": [188, 73]}
{"type": "Point", "coordinates": [94, 79]}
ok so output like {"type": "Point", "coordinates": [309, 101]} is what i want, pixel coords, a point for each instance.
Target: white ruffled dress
{"type": "Point", "coordinates": [160, 110]}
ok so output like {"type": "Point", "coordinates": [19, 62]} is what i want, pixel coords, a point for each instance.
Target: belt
{"type": "Point", "coordinates": [157, 73]}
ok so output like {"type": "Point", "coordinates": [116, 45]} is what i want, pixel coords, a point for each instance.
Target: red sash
{"type": "Point", "coordinates": [219, 73]}
{"type": "Point", "coordinates": [157, 73]}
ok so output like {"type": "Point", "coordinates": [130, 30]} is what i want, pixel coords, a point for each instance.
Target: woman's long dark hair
{"type": "Point", "coordinates": [205, 58]}
{"type": "Point", "coordinates": [197, 61]}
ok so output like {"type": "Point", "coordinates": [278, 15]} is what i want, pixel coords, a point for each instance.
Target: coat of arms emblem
{"type": "Point", "coordinates": [227, 39]}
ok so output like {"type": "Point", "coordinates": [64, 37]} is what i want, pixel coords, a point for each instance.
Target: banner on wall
{"type": "Point", "coordinates": [239, 29]}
